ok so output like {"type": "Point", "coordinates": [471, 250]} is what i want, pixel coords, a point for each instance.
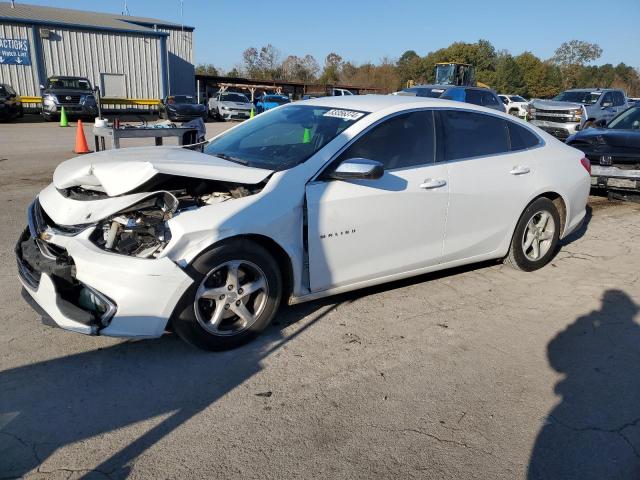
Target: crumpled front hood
{"type": "Point", "coordinates": [611, 137]}
{"type": "Point", "coordinates": [555, 105]}
{"type": "Point", "coordinates": [122, 170]}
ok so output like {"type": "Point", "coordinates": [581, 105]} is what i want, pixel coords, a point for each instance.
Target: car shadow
{"type": "Point", "coordinates": [594, 432]}
{"type": "Point", "coordinates": [48, 405]}
{"type": "Point", "coordinates": [581, 231]}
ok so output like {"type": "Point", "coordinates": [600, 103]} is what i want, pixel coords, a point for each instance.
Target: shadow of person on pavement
{"type": "Point", "coordinates": [48, 405]}
{"type": "Point", "coordinates": [594, 433]}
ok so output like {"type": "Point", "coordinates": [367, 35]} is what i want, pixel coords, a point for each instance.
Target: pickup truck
{"type": "Point", "coordinates": [577, 109]}
{"type": "Point", "coordinates": [75, 94]}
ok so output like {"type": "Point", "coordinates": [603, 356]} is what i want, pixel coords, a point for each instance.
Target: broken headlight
{"type": "Point", "coordinates": [140, 230]}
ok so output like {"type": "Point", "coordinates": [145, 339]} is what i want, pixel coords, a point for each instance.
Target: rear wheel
{"type": "Point", "coordinates": [536, 236]}
{"type": "Point", "coordinates": [235, 295]}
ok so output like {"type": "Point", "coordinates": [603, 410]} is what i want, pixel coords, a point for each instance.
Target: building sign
{"type": "Point", "coordinates": [14, 51]}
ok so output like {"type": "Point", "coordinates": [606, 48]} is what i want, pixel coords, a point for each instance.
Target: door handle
{"type": "Point", "coordinates": [431, 183]}
{"type": "Point", "coordinates": [518, 170]}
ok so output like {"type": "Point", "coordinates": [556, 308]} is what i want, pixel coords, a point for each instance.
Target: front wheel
{"type": "Point", "coordinates": [235, 295]}
{"type": "Point", "coordinates": [536, 236]}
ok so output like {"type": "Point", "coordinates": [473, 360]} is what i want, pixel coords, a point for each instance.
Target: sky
{"type": "Point", "coordinates": [368, 30]}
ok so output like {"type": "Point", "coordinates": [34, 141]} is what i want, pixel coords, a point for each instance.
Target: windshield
{"type": "Point", "coordinates": [586, 98]}
{"type": "Point", "coordinates": [517, 98]}
{"type": "Point", "coordinates": [234, 97]}
{"type": "Point", "coordinates": [69, 83]}
{"type": "Point", "coordinates": [445, 74]}
{"type": "Point", "coordinates": [278, 100]}
{"type": "Point", "coordinates": [181, 99]}
{"type": "Point", "coordinates": [629, 119]}
{"type": "Point", "coordinates": [282, 138]}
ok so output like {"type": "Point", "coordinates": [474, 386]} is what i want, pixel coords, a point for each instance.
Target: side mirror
{"type": "Point", "coordinates": [357, 169]}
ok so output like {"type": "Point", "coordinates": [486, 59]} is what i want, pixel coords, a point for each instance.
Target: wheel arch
{"type": "Point", "coordinates": [560, 204]}
{"type": "Point", "coordinates": [280, 255]}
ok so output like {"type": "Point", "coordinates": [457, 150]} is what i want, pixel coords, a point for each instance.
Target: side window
{"type": "Point", "coordinates": [521, 138]}
{"type": "Point", "coordinates": [406, 140]}
{"type": "Point", "coordinates": [606, 98]}
{"type": "Point", "coordinates": [474, 96]}
{"type": "Point", "coordinates": [470, 134]}
{"type": "Point", "coordinates": [618, 99]}
{"type": "Point", "coordinates": [489, 98]}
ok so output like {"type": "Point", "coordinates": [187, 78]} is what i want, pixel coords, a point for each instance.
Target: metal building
{"type": "Point", "coordinates": [128, 57]}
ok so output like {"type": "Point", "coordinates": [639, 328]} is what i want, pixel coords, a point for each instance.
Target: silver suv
{"type": "Point", "coordinates": [576, 109]}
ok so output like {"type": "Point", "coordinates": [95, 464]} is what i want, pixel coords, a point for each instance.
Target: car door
{"type": "Point", "coordinates": [488, 181]}
{"type": "Point", "coordinates": [364, 229]}
{"type": "Point", "coordinates": [607, 106]}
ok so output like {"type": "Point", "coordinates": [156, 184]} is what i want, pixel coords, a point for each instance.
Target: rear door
{"type": "Point", "coordinates": [489, 181]}
{"type": "Point", "coordinates": [364, 229]}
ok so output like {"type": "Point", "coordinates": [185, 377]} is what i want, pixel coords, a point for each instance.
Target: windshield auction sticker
{"type": "Point", "coordinates": [344, 114]}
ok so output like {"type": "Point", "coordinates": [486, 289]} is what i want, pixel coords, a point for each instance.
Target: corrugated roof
{"type": "Point", "coordinates": [37, 14]}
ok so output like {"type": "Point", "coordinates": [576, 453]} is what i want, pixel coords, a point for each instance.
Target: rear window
{"type": "Point", "coordinates": [471, 134]}
{"type": "Point", "coordinates": [521, 138]}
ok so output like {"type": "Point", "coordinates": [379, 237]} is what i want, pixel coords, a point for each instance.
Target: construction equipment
{"type": "Point", "coordinates": [458, 74]}
{"type": "Point", "coordinates": [452, 73]}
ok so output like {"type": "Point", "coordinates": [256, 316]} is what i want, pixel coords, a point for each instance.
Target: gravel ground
{"type": "Point", "coordinates": [480, 372]}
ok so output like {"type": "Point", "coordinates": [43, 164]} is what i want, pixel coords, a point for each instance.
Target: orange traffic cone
{"type": "Point", "coordinates": [81, 141]}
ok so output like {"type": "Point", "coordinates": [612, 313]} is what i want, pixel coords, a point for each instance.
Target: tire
{"type": "Point", "coordinates": [522, 252]}
{"type": "Point", "coordinates": [48, 118]}
{"type": "Point", "coordinates": [213, 295]}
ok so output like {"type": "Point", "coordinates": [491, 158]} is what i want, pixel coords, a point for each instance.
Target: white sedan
{"type": "Point", "coordinates": [307, 200]}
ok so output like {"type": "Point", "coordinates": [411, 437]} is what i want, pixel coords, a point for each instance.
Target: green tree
{"type": "Point", "coordinates": [571, 57]}
{"type": "Point", "coordinates": [508, 77]}
{"type": "Point", "coordinates": [331, 73]}
{"type": "Point", "coordinates": [207, 69]}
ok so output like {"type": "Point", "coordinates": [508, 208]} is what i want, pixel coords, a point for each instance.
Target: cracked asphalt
{"type": "Point", "coordinates": [477, 373]}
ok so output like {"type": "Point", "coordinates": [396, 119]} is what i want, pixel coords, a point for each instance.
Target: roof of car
{"type": "Point", "coordinates": [594, 89]}
{"type": "Point", "coordinates": [373, 103]}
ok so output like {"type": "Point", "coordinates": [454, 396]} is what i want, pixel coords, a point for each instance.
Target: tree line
{"type": "Point", "coordinates": [525, 74]}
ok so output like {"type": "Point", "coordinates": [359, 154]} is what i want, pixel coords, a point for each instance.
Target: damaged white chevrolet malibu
{"type": "Point", "coordinates": [304, 201]}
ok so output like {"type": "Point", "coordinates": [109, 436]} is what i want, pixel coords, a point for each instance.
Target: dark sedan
{"type": "Point", "coordinates": [476, 95]}
{"type": "Point", "coordinates": [614, 152]}
{"type": "Point", "coordinates": [10, 104]}
{"type": "Point", "coordinates": [181, 108]}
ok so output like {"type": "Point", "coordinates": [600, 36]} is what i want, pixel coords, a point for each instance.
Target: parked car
{"type": "Point", "coordinates": [181, 108]}
{"type": "Point", "coordinates": [305, 201]}
{"type": "Point", "coordinates": [432, 91]}
{"type": "Point", "coordinates": [475, 95]}
{"type": "Point", "coordinates": [268, 101]}
{"type": "Point", "coordinates": [75, 94]}
{"type": "Point", "coordinates": [327, 92]}
{"type": "Point", "coordinates": [230, 106]}
{"type": "Point", "coordinates": [515, 105]}
{"type": "Point", "coordinates": [633, 102]}
{"type": "Point", "coordinates": [576, 109]}
{"type": "Point", "coordinates": [614, 151]}
{"type": "Point", "coordinates": [10, 103]}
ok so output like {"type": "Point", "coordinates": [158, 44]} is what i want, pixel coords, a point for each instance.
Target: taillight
{"type": "Point", "coordinates": [586, 164]}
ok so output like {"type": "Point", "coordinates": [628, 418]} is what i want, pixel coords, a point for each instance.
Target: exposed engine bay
{"type": "Point", "coordinates": [141, 230]}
